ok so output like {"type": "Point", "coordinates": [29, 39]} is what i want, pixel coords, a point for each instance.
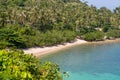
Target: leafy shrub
{"type": "Point", "coordinates": [107, 27]}
{"type": "Point", "coordinates": [15, 65]}
{"type": "Point", "coordinates": [4, 44]}
{"type": "Point", "coordinates": [85, 30]}
{"type": "Point", "coordinates": [10, 38]}
{"type": "Point", "coordinates": [25, 37]}
{"type": "Point", "coordinates": [55, 37]}
{"type": "Point", "coordinates": [94, 36]}
{"type": "Point", "coordinates": [113, 34]}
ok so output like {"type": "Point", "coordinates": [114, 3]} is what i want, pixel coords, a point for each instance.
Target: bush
{"type": "Point", "coordinates": [4, 44]}
{"type": "Point", "coordinates": [15, 65]}
{"type": "Point", "coordinates": [106, 28]}
{"type": "Point", "coordinates": [85, 30]}
{"type": "Point", "coordinates": [25, 37]}
{"type": "Point", "coordinates": [10, 38]}
{"type": "Point", "coordinates": [94, 36]}
{"type": "Point", "coordinates": [113, 34]}
{"type": "Point", "coordinates": [56, 37]}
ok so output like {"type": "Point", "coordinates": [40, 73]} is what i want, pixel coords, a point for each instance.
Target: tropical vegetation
{"type": "Point", "coordinates": [15, 65]}
{"type": "Point", "coordinates": [29, 23]}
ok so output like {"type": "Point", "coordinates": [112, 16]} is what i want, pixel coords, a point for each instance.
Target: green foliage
{"type": "Point", "coordinates": [85, 30]}
{"type": "Point", "coordinates": [113, 34]}
{"type": "Point", "coordinates": [9, 38]}
{"type": "Point", "coordinates": [107, 27]}
{"type": "Point", "coordinates": [29, 23]}
{"type": "Point", "coordinates": [15, 65]}
{"type": "Point", "coordinates": [46, 15]}
{"type": "Point", "coordinates": [4, 44]}
{"type": "Point", "coordinates": [50, 38]}
{"type": "Point", "coordinates": [94, 36]}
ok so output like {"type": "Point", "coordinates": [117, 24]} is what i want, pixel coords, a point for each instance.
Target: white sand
{"type": "Point", "coordinates": [47, 50]}
{"type": "Point", "coordinates": [38, 51]}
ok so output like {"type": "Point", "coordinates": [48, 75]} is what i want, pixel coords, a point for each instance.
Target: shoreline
{"type": "Point", "coordinates": [39, 52]}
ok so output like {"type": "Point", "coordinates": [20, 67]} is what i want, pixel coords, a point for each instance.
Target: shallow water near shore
{"type": "Point", "coordinates": [89, 61]}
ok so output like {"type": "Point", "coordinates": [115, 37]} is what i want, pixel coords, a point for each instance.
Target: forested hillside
{"type": "Point", "coordinates": [29, 23]}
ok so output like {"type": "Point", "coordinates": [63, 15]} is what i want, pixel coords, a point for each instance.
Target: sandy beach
{"type": "Point", "coordinates": [38, 51]}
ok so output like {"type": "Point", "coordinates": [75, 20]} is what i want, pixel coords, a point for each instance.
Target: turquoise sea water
{"type": "Point", "coordinates": [89, 61]}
